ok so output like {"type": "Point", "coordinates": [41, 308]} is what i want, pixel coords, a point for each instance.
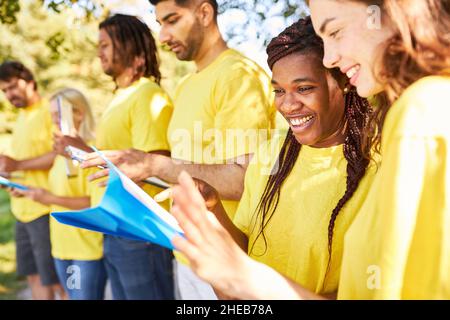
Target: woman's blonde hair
{"type": "Point", "coordinates": [79, 102]}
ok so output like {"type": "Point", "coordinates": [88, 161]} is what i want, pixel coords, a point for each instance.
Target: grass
{"type": "Point", "coordinates": [10, 285]}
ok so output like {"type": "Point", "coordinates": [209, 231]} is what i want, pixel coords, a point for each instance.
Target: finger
{"type": "Point", "coordinates": [99, 174]}
{"type": "Point", "coordinates": [182, 198]}
{"type": "Point", "coordinates": [191, 211]}
{"type": "Point", "coordinates": [185, 247]}
{"type": "Point", "coordinates": [163, 196]}
{"type": "Point", "coordinates": [190, 188]}
{"type": "Point", "coordinates": [92, 160]}
{"type": "Point", "coordinates": [102, 184]}
{"type": "Point", "coordinates": [193, 200]}
{"type": "Point", "coordinates": [110, 154]}
{"type": "Point", "coordinates": [191, 230]}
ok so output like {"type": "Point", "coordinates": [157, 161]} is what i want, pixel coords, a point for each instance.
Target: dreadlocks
{"type": "Point", "coordinates": [132, 39]}
{"type": "Point", "coordinates": [300, 37]}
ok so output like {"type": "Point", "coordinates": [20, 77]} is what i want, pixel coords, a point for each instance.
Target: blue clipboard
{"type": "Point", "coordinates": [125, 211]}
{"type": "Point", "coordinates": [8, 183]}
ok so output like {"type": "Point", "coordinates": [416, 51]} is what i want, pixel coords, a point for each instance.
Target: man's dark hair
{"type": "Point", "coordinates": [14, 69]}
{"type": "Point", "coordinates": [185, 3]}
{"type": "Point", "coordinates": [132, 38]}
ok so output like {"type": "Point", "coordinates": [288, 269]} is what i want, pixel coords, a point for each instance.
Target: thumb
{"type": "Point", "coordinates": [164, 195]}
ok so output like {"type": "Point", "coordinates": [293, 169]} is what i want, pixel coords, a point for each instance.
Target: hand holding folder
{"type": "Point", "coordinates": [78, 155]}
{"type": "Point", "coordinates": [125, 211]}
{"type": "Point", "coordinates": [8, 183]}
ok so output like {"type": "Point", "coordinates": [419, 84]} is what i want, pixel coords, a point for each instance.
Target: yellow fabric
{"type": "Point", "coordinates": [229, 96]}
{"type": "Point", "coordinates": [70, 243]}
{"type": "Point", "coordinates": [32, 137]}
{"type": "Point", "coordinates": [138, 118]}
{"type": "Point", "coordinates": [399, 245]}
{"type": "Point", "coordinates": [297, 234]}
{"type": "Point", "coordinates": [281, 123]}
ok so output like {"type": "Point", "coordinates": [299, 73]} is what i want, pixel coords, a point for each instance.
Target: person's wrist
{"type": "Point", "coordinates": [50, 199]}
{"type": "Point", "coordinates": [18, 165]}
{"type": "Point", "coordinates": [243, 284]}
{"type": "Point", "coordinates": [156, 164]}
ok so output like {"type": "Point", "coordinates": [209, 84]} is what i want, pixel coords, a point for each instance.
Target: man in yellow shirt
{"type": "Point", "coordinates": [222, 112]}
{"type": "Point", "coordinates": [29, 161]}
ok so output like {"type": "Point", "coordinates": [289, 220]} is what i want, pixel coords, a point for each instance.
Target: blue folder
{"type": "Point", "coordinates": [125, 211]}
{"type": "Point", "coordinates": [8, 183]}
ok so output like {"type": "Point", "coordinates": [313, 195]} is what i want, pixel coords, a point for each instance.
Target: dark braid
{"type": "Point", "coordinates": [131, 39]}
{"type": "Point", "coordinates": [302, 38]}
{"type": "Point", "coordinates": [356, 152]}
{"type": "Point", "coordinates": [269, 201]}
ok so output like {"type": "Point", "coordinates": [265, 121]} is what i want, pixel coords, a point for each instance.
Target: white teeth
{"type": "Point", "coordinates": [352, 71]}
{"type": "Point", "coordinates": [300, 121]}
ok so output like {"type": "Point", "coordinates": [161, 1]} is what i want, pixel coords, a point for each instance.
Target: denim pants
{"type": "Point", "coordinates": [82, 279]}
{"type": "Point", "coordinates": [138, 270]}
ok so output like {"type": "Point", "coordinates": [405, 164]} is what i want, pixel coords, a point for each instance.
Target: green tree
{"type": "Point", "coordinates": [61, 50]}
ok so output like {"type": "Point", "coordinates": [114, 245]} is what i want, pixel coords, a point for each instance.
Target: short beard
{"type": "Point", "coordinates": [115, 69]}
{"type": "Point", "coordinates": [193, 42]}
{"type": "Point", "coordinates": [22, 103]}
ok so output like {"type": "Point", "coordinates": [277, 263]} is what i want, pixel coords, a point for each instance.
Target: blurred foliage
{"type": "Point", "coordinates": [9, 10]}
{"type": "Point", "coordinates": [61, 50]}
{"type": "Point", "coordinates": [10, 284]}
{"type": "Point", "coordinates": [57, 40]}
{"type": "Point", "coordinates": [257, 12]}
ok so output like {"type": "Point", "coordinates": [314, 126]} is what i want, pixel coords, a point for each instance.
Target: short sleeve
{"type": "Point", "coordinates": [244, 110]}
{"type": "Point", "coordinates": [150, 117]}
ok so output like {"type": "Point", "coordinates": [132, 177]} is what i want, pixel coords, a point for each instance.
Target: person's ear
{"type": "Point", "coordinates": [205, 14]}
{"type": "Point", "coordinates": [30, 88]}
{"type": "Point", "coordinates": [139, 63]}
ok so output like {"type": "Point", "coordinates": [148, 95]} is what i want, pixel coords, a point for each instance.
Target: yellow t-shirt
{"type": "Point", "coordinates": [138, 118]}
{"type": "Point", "coordinates": [70, 243]}
{"type": "Point", "coordinates": [399, 245]}
{"type": "Point", "coordinates": [297, 234]}
{"type": "Point", "coordinates": [32, 137]}
{"type": "Point", "coordinates": [232, 96]}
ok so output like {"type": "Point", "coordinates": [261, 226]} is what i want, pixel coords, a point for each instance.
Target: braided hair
{"type": "Point", "coordinates": [300, 37]}
{"type": "Point", "coordinates": [131, 39]}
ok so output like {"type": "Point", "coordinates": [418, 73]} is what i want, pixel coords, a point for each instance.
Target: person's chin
{"type": "Point", "coordinates": [183, 56]}
{"type": "Point", "coordinates": [304, 140]}
{"type": "Point", "coordinates": [19, 104]}
{"type": "Point", "coordinates": [108, 71]}
{"type": "Point", "coordinates": [368, 87]}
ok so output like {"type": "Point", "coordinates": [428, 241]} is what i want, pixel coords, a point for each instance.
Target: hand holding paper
{"type": "Point", "coordinates": [9, 184]}
{"type": "Point", "coordinates": [80, 156]}
{"type": "Point", "coordinates": [126, 211]}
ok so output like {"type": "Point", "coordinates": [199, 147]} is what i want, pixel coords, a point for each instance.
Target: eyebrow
{"type": "Point", "coordinates": [167, 17]}
{"type": "Point", "coordinates": [299, 80]}
{"type": "Point", "coordinates": [325, 23]}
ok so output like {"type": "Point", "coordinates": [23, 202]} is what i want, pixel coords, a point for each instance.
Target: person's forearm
{"type": "Point", "coordinates": [74, 203]}
{"type": "Point", "coordinates": [273, 287]}
{"type": "Point", "coordinates": [44, 162]}
{"type": "Point", "coordinates": [239, 237]}
{"type": "Point", "coordinates": [227, 179]}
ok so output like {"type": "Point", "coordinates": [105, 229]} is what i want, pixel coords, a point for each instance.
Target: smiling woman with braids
{"type": "Point", "coordinates": [398, 246]}
{"type": "Point", "coordinates": [302, 190]}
